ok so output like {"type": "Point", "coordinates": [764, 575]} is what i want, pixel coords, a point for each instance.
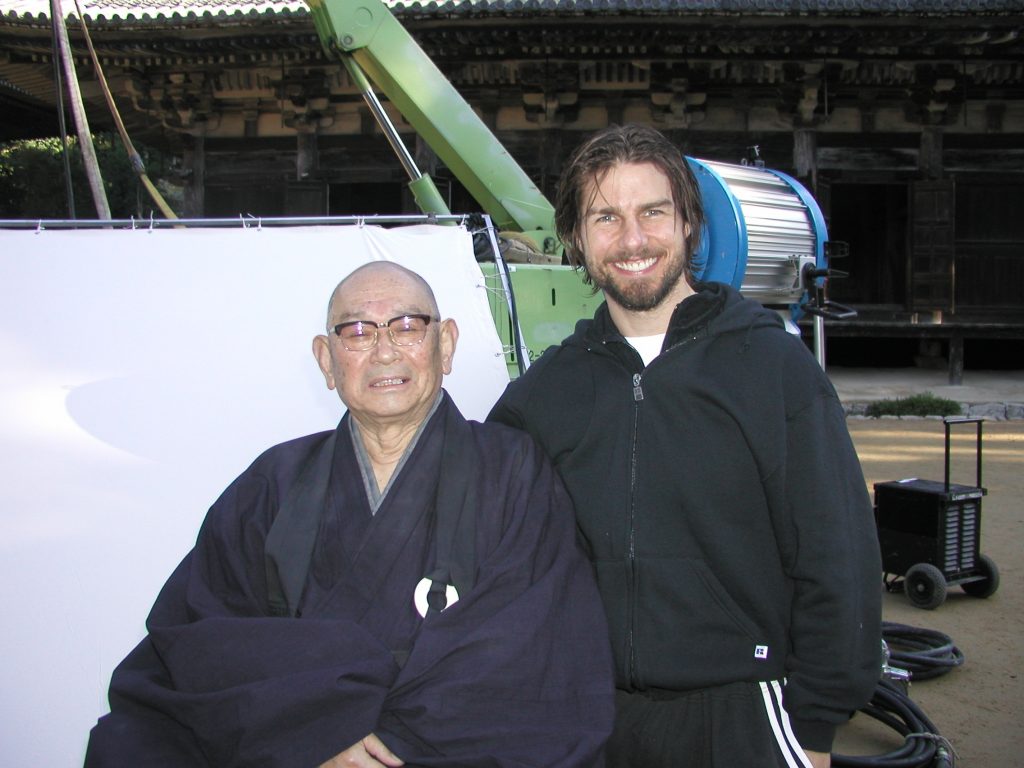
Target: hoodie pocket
{"type": "Point", "coordinates": [690, 633]}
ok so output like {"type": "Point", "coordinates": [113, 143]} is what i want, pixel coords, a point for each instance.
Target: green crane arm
{"type": "Point", "coordinates": [366, 34]}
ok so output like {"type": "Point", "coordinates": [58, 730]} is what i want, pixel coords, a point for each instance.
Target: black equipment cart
{"type": "Point", "coordinates": [930, 533]}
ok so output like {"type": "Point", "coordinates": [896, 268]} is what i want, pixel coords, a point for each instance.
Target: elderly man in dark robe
{"type": "Point", "coordinates": [407, 589]}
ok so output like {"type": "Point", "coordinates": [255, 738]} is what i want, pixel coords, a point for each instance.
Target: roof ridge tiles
{"type": "Point", "coordinates": [155, 10]}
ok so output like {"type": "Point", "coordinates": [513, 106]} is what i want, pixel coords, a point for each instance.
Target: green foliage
{"type": "Point", "coordinates": [924, 404]}
{"type": "Point", "coordinates": [32, 184]}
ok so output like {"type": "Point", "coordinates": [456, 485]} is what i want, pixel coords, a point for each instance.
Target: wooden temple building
{"type": "Point", "coordinates": [905, 118]}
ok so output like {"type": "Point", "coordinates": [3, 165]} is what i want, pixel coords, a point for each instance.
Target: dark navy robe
{"type": "Point", "coordinates": [517, 672]}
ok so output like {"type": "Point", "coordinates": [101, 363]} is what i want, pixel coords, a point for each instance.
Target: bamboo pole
{"type": "Point", "coordinates": [58, 79]}
{"type": "Point", "coordinates": [92, 166]}
{"type": "Point", "coordinates": [138, 167]}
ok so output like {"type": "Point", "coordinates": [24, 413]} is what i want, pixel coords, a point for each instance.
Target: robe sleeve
{"type": "Point", "coordinates": [519, 671]}
{"type": "Point", "coordinates": [218, 682]}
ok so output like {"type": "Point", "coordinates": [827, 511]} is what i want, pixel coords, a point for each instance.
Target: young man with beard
{"type": "Point", "coordinates": [714, 482]}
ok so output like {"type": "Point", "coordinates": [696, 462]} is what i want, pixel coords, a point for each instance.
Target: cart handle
{"type": "Point", "coordinates": [949, 421]}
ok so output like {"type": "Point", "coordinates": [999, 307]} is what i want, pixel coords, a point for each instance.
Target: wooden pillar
{"type": "Point", "coordinates": [425, 157]}
{"type": "Point", "coordinates": [194, 158]}
{"type": "Point", "coordinates": [956, 359]}
{"type": "Point", "coordinates": [552, 156]}
{"type": "Point", "coordinates": [307, 157]}
{"type": "Point", "coordinates": [929, 160]}
{"type": "Point", "coordinates": [805, 155]}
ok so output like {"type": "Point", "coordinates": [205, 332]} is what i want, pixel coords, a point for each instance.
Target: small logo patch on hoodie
{"type": "Point", "coordinates": [760, 651]}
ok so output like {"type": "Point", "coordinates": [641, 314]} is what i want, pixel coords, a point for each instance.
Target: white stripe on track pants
{"type": "Point", "coordinates": [740, 725]}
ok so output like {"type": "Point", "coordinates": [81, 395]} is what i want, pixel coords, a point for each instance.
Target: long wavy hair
{"type": "Point", "coordinates": [612, 146]}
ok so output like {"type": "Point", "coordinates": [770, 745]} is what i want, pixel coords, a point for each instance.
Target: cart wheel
{"type": "Point", "coordinates": [989, 584]}
{"type": "Point", "coordinates": [925, 586]}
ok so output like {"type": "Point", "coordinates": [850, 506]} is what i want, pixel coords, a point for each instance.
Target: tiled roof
{"type": "Point", "coordinates": [153, 9]}
{"type": "Point", "coordinates": [171, 9]}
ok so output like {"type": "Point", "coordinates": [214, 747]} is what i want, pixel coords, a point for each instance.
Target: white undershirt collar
{"type": "Point", "coordinates": [649, 347]}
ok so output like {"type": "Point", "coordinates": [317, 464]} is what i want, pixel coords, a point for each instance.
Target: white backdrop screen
{"type": "Point", "coordinates": [141, 372]}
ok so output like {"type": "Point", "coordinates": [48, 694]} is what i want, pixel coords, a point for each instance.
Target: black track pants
{"type": "Point", "coordinates": [741, 725]}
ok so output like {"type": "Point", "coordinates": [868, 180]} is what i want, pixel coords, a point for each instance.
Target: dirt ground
{"type": "Point", "coordinates": [977, 706]}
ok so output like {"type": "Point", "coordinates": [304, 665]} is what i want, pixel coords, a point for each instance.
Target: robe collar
{"type": "Point", "coordinates": [374, 494]}
{"type": "Point", "coordinates": [290, 541]}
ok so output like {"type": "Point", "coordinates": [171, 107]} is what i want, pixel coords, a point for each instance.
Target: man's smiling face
{"type": "Point", "coordinates": [388, 383]}
{"type": "Point", "coordinates": [633, 238]}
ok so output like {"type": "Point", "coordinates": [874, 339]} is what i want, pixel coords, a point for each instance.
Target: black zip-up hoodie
{"type": "Point", "coordinates": [722, 503]}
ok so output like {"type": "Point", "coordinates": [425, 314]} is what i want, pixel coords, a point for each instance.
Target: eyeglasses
{"type": "Point", "coordinates": [404, 330]}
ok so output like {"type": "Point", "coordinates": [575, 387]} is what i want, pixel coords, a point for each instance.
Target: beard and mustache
{"type": "Point", "coordinates": [640, 294]}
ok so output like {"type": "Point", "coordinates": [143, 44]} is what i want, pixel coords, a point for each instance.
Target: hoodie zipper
{"type": "Point", "coordinates": [632, 674]}
{"type": "Point", "coordinates": [638, 396]}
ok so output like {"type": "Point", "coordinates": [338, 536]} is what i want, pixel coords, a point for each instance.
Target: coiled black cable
{"type": "Point", "coordinates": [925, 654]}
{"type": "Point", "coordinates": [923, 746]}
